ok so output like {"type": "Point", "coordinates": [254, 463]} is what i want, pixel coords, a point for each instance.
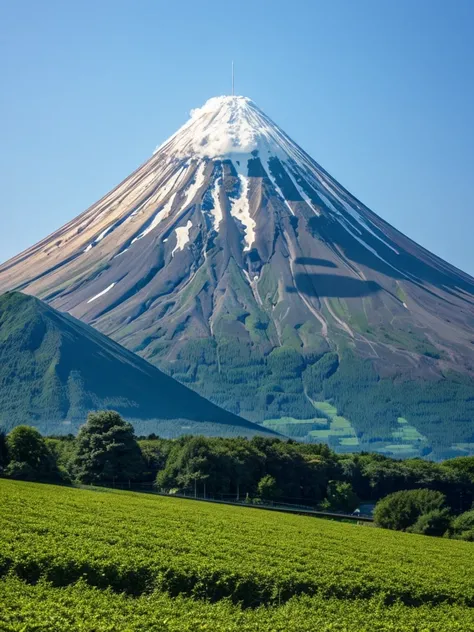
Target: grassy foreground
{"type": "Point", "coordinates": [104, 560]}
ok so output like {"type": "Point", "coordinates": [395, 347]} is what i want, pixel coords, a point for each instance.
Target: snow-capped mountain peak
{"type": "Point", "coordinates": [229, 126]}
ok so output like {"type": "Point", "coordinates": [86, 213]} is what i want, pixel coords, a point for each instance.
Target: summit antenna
{"type": "Point", "coordinates": [232, 78]}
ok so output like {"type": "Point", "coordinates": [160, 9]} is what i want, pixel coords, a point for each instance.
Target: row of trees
{"type": "Point", "coordinates": [425, 512]}
{"type": "Point", "coordinates": [106, 451]}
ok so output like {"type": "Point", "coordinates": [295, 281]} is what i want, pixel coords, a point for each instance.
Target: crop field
{"type": "Point", "coordinates": [74, 559]}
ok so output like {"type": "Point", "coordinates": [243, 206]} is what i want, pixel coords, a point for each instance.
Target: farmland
{"type": "Point", "coordinates": [74, 559]}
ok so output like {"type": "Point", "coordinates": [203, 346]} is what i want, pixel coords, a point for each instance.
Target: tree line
{"type": "Point", "coordinates": [106, 451]}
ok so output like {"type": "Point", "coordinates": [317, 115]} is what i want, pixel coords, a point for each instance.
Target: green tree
{"type": "Point", "coordinates": [434, 522]}
{"type": "Point", "coordinates": [63, 449]}
{"type": "Point", "coordinates": [28, 455]}
{"type": "Point", "coordinates": [107, 450]}
{"type": "Point", "coordinates": [463, 526]}
{"type": "Point", "coordinates": [464, 464]}
{"type": "Point", "coordinates": [190, 462]}
{"type": "Point", "coordinates": [155, 453]}
{"type": "Point", "coordinates": [194, 478]}
{"type": "Point", "coordinates": [340, 497]}
{"type": "Point", "coordinates": [384, 475]}
{"type": "Point", "coordinates": [401, 510]}
{"type": "Point", "coordinates": [245, 466]}
{"type": "Point", "coordinates": [267, 488]}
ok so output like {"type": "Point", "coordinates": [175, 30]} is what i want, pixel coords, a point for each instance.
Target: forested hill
{"type": "Point", "coordinates": [55, 369]}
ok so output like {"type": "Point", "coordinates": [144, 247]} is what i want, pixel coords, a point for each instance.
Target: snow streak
{"type": "Point", "coordinates": [182, 236]}
{"type": "Point", "coordinates": [240, 208]}
{"type": "Point", "coordinates": [107, 289]}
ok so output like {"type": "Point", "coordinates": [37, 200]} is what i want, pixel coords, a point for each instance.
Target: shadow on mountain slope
{"type": "Point", "coordinates": [333, 285]}
{"type": "Point", "coordinates": [312, 261]}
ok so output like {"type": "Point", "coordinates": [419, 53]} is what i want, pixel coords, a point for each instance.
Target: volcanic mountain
{"type": "Point", "coordinates": [55, 369]}
{"type": "Point", "coordinates": [234, 262]}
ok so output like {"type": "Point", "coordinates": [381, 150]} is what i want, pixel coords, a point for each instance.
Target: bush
{"type": "Point", "coordinates": [434, 522]}
{"type": "Point", "coordinates": [267, 488]}
{"type": "Point", "coordinates": [21, 471]}
{"type": "Point", "coordinates": [401, 510]}
{"type": "Point", "coordinates": [463, 526]}
{"type": "Point", "coordinates": [340, 497]}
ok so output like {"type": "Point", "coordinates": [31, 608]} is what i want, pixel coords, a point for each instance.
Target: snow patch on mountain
{"type": "Point", "coordinates": [220, 127]}
{"type": "Point", "coordinates": [240, 207]}
{"type": "Point", "coordinates": [217, 210]}
{"type": "Point", "coordinates": [182, 236]}
{"type": "Point", "coordinates": [159, 217]}
{"type": "Point", "coordinates": [99, 238]}
{"type": "Point", "coordinates": [198, 181]}
{"type": "Point", "coordinates": [107, 289]}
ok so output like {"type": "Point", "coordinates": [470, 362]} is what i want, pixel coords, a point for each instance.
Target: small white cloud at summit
{"type": "Point", "coordinates": [228, 125]}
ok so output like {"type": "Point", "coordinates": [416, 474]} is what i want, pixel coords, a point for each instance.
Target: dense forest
{"type": "Point", "coordinates": [287, 382]}
{"type": "Point", "coordinates": [106, 452]}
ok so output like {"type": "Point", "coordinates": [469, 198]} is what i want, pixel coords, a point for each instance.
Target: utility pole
{"type": "Point", "coordinates": [232, 78]}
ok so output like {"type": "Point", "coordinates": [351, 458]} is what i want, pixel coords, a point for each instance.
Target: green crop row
{"type": "Point", "coordinates": [127, 553]}
{"type": "Point", "coordinates": [81, 608]}
{"type": "Point", "coordinates": [138, 543]}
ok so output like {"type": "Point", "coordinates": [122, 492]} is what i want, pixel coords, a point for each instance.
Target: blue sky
{"type": "Point", "coordinates": [380, 93]}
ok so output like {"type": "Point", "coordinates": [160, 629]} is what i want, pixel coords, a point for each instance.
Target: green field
{"type": "Point", "coordinates": [339, 432]}
{"type": "Point", "coordinates": [407, 441]}
{"type": "Point", "coordinates": [327, 427]}
{"type": "Point", "coordinates": [109, 560]}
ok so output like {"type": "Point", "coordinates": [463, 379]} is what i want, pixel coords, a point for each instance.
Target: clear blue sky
{"type": "Point", "coordinates": [381, 93]}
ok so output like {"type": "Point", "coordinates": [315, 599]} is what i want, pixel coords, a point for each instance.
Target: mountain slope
{"type": "Point", "coordinates": [235, 262]}
{"type": "Point", "coordinates": [55, 369]}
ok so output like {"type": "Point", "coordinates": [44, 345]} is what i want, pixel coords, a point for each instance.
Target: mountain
{"type": "Point", "coordinates": [235, 263]}
{"type": "Point", "coordinates": [55, 369]}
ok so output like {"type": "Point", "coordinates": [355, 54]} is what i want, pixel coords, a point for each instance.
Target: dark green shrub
{"type": "Point", "coordinates": [401, 510]}
{"type": "Point", "coordinates": [267, 488]}
{"type": "Point", "coordinates": [21, 471]}
{"type": "Point", "coordinates": [340, 497]}
{"type": "Point", "coordinates": [434, 522]}
{"type": "Point", "coordinates": [463, 526]}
